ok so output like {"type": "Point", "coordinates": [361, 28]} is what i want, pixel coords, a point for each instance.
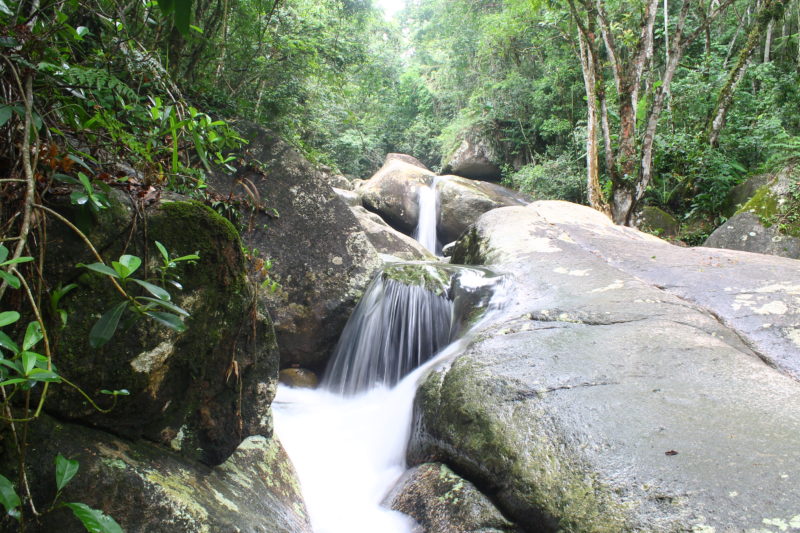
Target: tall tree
{"type": "Point", "coordinates": [608, 43]}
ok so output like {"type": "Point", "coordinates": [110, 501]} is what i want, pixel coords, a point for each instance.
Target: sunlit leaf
{"type": "Point", "coordinates": [102, 269]}
{"type": "Point", "coordinates": [155, 290]}
{"type": "Point", "coordinates": [93, 520]}
{"type": "Point", "coordinates": [8, 496]}
{"type": "Point", "coordinates": [8, 317]}
{"type": "Point", "coordinates": [33, 334]}
{"type": "Point", "coordinates": [8, 344]}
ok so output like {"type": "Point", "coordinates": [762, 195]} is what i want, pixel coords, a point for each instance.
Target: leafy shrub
{"type": "Point", "coordinates": [553, 179]}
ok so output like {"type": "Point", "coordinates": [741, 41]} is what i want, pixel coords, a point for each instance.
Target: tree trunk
{"type": "Point", "coordinates": [593, 188]}
{"type": "Point", "coordinates": [768, 40]}
{"type": "Point", "coordinates": [769, 10]}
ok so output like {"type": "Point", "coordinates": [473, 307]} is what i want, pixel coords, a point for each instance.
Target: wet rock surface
{"type": "Point", "coordinates": [462, 201]}
{"type": "Point", "coordinates": [321, 278]}
{"type": "Point", "coordinates": [442, 502]}
{"type": "Point", "coordinates": [629, 385]}
{"type": "Point", "coordinates": [392, 192]}
{"type": "Point", "coordinates": [388, 240]}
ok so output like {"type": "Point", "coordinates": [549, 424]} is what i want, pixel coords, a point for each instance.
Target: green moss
{"type": "Point", "coordinates": [772, 209]}
{"type": "Point", "coordinates": [764, 204]}
{"type": "Point", "coordinates": [542, 480]}
{"type": "Point", "coordinates": [429, 277]}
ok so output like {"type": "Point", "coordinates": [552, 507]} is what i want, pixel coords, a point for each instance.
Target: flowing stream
{"type": "Point", "coordinates": [425, 232]}
{"type": "Point", "coordinates": [347, 439]}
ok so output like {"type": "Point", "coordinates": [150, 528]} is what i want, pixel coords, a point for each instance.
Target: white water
{"type": "Point", "coordinates": [350, 451]}
{"type": "Point", "coordinates": [426, 225]}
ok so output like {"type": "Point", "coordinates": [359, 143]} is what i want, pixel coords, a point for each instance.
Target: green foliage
{"type": "Point", "coordinates": [93, 520]}
{"type": "Point", "coordinates": [552, 179]}
{"type": "Point", "coordinates": [157, 306]}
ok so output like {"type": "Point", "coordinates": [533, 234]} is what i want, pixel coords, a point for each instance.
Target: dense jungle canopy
{"type": "Point", "coordinates": [619, 104]}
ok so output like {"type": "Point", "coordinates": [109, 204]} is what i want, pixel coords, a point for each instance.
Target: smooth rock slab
{"type": "Point", "coordinates": [599, 401]}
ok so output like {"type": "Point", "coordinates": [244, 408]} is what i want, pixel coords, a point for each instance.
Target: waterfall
{"type": "Point", "coordinates": [428, 214]}
{"type": "Point", "coordinates": [349, 450]}
{"type": "Point", "coordinates": [394, 329]}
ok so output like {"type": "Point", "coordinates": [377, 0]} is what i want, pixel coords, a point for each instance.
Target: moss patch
{"type": "Point", "coordinates": [429, 277]}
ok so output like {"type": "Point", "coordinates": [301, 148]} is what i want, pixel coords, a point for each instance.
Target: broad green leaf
{"type": "Point", "coordinates": [5, 114]}
{"type": "Point", "coordinates": [190, 257]}
{"type": "Point", "coordinates": [102, 269]}
{"type": "Point", "coordinates": [183, 15]}
{"type": "Point", "coordinates": [13, 381]}
{"type": "Point", "coordinates": [168, 319]}
{"type": "Point", "coordinates": [93, 520]}
{"type": "Point", "coordinates": [131, 262]}
{"type": "Point", "coordinates": [84, 179]}
{"type": "Point", "coordinates": [11, 279]}
{"type": "Point", "coordinates": [78, 198]}
{"type": "Point", "coordinates": [8, 496]}
{"type": "Point", "coordinates": [105, 327]}
{"type": "Point", "coordinates": [155, 290]}
{"type": "Point", "coordinates": [8, 344]}
{"type": "Point", "coordinates": [28, 362]}
{"type": "Point", "coordinates": [65, 470]}
{"type": "Point", "coordinates": [33, 334]}
{"type": "Point", "coordinates": [23, 259]}
{"type": "Point", "coordinates": [66, 179]}
{"type": "Point", "coordinates": [38, 374]}
{"type": "Point", "coordinates": [163, 251]}
{"type": "Point", "coordinates": [5, 9]}
{"type": "Point", "coordinates": [166, 305]}
{"type": "Point", "coordinates": [82, 30]}
{"type": "Point", "coordinates": [8, 317]}
{"type": "Point", "coordinates": [3, 253]}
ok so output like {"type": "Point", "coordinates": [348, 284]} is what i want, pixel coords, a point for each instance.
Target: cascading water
{"type": "Point", "coordinates": [349, 450]}
{"type": "Point", "coordinates": [395, 328]}
{"type": "Point", "coordinates": [428, 214]}
{"type": "Point", "coordinates": [348, 438]}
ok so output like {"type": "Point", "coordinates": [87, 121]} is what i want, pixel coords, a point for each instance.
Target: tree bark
{"type": "Point", "coordinates": [769, 10]}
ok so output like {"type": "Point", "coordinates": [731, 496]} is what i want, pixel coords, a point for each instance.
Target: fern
{"type": "Point", "coordinates": [99, 83]}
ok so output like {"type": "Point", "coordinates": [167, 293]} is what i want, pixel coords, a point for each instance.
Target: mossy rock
{"type": "Point", "coordinates": [658, 222]}
{"type": "Point", "coordinates": [147, 489]}
{"type": "Point", "coordinates": [442, 501]}
{"type": "Point", "coordinates": [430, 277]}
{"type": "Point", "coordinates": [199, 392]}
{"type": "Point", "coordinates": [320, 256]}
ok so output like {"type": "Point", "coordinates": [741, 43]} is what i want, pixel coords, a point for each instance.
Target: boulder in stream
{"type": "Point", "coordinates": [186, 389]}
{"type": "Point", "coordinates": [442, 502]}
{"type": "Point", "coordinates": [392, 192]}
{"type": "Point", "coordinates": [321, 278]}
{"type": "Point", "coordinates": [627, 385]}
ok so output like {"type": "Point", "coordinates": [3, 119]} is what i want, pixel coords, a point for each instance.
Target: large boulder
{"type": "Point", "coordinates": [627, 384]}
{"type": "Point", "coordinates": [149, 490]}
{"type": "Point", "coordinates": [320, 256]}
{"type": "Point", "coordinates": [388, 240]}
{"type": "Point", "coordinates": [475, 158]}
{"type": "Point", "coordinates": [769, 220]}
{"type": "Point", "coordinates": [443, 502]}
{"type": "Point", "coordinates": [394, 190]}
{"type": "Point", "coordinates": [462, 201]}
{"type": "Point", "coordinates": [199, 392]}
